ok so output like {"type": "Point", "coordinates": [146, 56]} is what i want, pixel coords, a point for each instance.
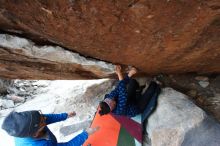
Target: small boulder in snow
{"type": "Point", "coordinates": [204, 84]}
{"type": "Point", "coordinates": [7, 103]}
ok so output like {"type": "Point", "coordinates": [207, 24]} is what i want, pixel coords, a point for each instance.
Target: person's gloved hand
{"type": "Point", "coordinates": [92, 130]}
{"type": "Point", "coordinates": [71, 114]}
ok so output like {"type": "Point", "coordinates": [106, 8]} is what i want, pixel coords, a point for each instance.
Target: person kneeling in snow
{"type": "Point", "coordinates": [30, 129]}
{"type": "Point", "coordinates": [126, 98]}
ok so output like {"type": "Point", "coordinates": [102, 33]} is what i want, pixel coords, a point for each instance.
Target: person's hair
{"type": "Point", "coordinates": [22, 124]}
{"type": "Point", "coordinates": [104, 108]}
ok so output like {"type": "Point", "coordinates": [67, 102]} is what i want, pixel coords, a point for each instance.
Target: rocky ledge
{"type": "Point", "coordinates": [21, 58]}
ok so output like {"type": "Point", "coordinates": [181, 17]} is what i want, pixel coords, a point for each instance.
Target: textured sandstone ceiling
{"type": "Point", "coordinates": [156, 36]}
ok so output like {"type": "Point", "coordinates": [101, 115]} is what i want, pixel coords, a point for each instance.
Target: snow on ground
{"type": "Point", "coordinates": [63, 96]}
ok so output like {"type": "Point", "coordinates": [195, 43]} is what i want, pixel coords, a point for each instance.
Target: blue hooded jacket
{"type": "Point", "coordinates": [50, 140]}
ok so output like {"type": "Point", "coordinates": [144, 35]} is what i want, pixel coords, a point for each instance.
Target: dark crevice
{"type": "Point", "coordinates": [39, 41]}
{"type": "Point", "coordinates": [215, 7]}
{"type": "Point", "coordinates": [132, 3]}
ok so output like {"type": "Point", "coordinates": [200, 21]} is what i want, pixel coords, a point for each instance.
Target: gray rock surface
{"type": "Point", "coordinates": [64, 63]}
{"type": "Point", "coordinates": [204, 84]}
{"type": "Point", "coordinates": [7, 103]}
{"type": "Point", "coordinates": [179, 122]}
{"type": "Point", "coordinates": [16, 99]}
{"type": "Point", "coordinates": [4, 84]}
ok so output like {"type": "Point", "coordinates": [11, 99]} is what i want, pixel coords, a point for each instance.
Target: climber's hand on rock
{"type": "Point", "coordinates": [92, 130]}
{"type": "Point", "coordinates": [132, 71]}
{"type": "Point", "coordinates": [118, 69]}
{"type": "Point", "coordinates": [71, 114]}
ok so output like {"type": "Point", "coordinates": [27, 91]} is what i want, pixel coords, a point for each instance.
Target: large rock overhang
{"type": "Point", "coordinates": [155, 36]}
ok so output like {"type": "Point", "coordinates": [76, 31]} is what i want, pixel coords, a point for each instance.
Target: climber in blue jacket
{"type": "Point", "coordinates": [126, 99]}
{"type": "Point", "coordinates": [30, 129]}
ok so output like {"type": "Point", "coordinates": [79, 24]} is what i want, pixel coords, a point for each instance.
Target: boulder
{"type": "Point", "coordinates": [7, 103]}
{"type": "Point", "coordinates": [159, 36]}
{"type": "Point", "coordinates": [203, 84]}
{"type": "Point", "coordinates": [16, 99]}
{"type": "Point", "coordinates": [4, 85]}
{"type": "Point", "coordinates": [179, 122]}
{"type": "Point", "coordinates": [3, 89]}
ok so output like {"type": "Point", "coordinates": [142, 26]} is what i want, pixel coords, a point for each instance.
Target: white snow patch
{"type": "Point", "coordinates": [61, 96]}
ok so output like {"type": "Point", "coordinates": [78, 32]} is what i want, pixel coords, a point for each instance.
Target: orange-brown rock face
{"type": "Point", "coordinates": [156, 36]}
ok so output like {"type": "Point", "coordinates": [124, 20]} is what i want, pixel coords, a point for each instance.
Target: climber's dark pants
{"type": "Point", "coordinates": [135, 97]}
{"type": "Point", "coordinates": [132, 91]}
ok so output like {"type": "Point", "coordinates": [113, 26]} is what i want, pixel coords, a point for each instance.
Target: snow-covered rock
{"type": "Point", "coordinates": [7, 103]}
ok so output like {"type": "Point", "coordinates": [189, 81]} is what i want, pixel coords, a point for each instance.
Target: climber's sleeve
{"type": "Point", "coordinates": [53, 118]}
{"type": "Point", "coordinates": [115, 93]}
